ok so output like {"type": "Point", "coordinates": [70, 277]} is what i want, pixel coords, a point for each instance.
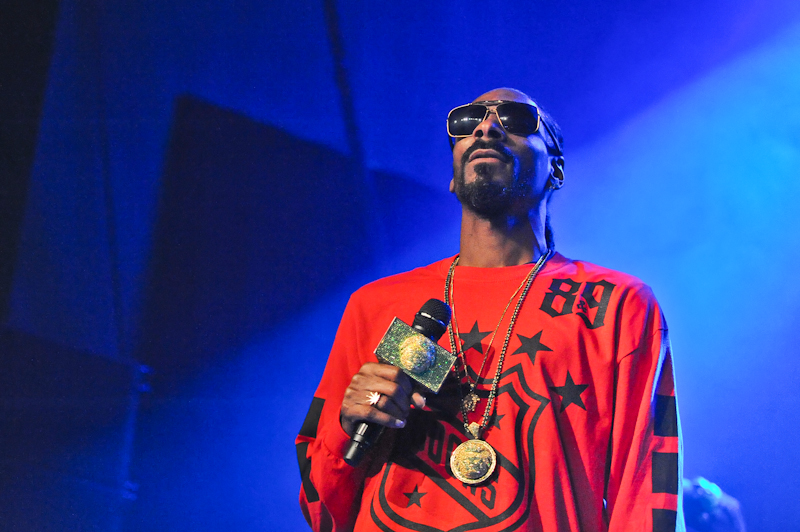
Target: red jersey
{"type": "Point", "coordinates": [584, 424]}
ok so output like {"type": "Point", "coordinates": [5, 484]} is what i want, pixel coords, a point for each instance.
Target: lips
{"type": "Point", "coordinates": [487, 154]}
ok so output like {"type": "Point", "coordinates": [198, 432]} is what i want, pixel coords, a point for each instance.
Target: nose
{"type": "Point", "coordinates": [490, 127]}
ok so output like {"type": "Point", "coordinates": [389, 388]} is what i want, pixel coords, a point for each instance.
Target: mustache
{"type": "Point", "coordinates": [481, 144]}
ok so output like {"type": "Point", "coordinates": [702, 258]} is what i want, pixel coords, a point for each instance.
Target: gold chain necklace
{"type": "Point", "coordinates": [474, 460]}
{"type": "Point", "coordinates": [470, 400]}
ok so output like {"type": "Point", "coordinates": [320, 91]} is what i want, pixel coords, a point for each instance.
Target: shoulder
{"type": "Point", "coordinates": [600, 293]}
{"type": "Point", "coordinates": [424, 274]}
{"type": "Point", "coordinates": [583, 272]}
{"type": "Point", "coordinates": [401, 292]}
{"type": "Point", "coordinates": [608, 302]}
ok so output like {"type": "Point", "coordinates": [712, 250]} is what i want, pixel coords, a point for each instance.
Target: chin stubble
{"type": "Point", "coordinates": [485, 197]}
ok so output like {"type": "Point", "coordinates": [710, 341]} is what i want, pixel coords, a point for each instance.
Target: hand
{"type": "Point", "coordinates": [397, 396]}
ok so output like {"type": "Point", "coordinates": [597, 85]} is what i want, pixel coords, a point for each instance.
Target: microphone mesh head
{"type": "Point", "coordinates": [432, 319]}
{"type": "Point", "coordinates": [438, 309]}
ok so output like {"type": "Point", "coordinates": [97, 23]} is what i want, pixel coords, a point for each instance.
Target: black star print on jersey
{"type": "Point", "coordinates": [531, 345]}
{"type": "Point", "coordinates": [473, 339]}
{"type": "Point", "coordinates": [496, 419]}
{"type": "Point", "coordinates": [414, 497]}
{"type": "Point", "coordinates": [570, 393]}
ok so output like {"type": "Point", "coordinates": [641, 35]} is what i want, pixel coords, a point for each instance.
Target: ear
{"type": "Point", "coordinates": [556, 172]}
{"type": "Point", "coordinates": [453, 185]}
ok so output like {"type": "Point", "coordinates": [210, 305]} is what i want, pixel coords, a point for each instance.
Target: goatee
{"type": "Point", "coordinates": [486, 197]}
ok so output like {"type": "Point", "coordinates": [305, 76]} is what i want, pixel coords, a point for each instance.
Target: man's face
{"type": "Point", "coordinates": [496, 173]}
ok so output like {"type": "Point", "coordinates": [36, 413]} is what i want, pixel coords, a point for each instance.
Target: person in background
{"type": "Point", "coordinates": [708, 509]}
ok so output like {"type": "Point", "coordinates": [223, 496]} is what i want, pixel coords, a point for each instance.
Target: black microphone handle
{"type": "Point", "coordinates": [363, 438]}
{"type": "Point", "coordinates": [430, 321]}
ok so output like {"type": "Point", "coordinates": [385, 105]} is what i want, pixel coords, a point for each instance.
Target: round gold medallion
{"type": "Point", "coordinates": [417, 354]}
{"type": "Point", "coordinates": [473, 461]}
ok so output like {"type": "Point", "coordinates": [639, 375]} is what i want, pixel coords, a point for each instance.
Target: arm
{"type": "Point", "coordinates": [322, 468]}
{"type": "Point", "coordinates": [331, 489]}
{"type": "Point", "coordinates": [646, 455]}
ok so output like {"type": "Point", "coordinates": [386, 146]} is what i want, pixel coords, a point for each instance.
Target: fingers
{"type": "Point", "coordinates": [389, 373]}
{"type": "Point", "coordinates": [354, 414]}
{"type": "Point", "coordinates": [418, 400]}
{"type": "Point", "coordinates": [390, 408]}
{"type": "Point", "coordinates": [393, 386]}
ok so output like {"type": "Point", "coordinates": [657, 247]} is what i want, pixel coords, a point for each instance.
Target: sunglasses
{"type": "Point", "coordinates": [517, 118]}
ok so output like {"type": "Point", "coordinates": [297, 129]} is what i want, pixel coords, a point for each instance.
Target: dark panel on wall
{"type": "Point", "coordinates": [253, 225]}
{"type": "Point", "coordinates": [26, 39]}
{"type": "Point", "coordinates": [64, 417]}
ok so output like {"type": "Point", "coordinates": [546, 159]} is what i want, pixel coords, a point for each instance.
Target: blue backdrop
{"type": "Point", "coordinates": [213, 179]}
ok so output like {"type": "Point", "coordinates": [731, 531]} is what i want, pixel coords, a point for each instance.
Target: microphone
{"type": "Point", "coordinates": [414, 350]}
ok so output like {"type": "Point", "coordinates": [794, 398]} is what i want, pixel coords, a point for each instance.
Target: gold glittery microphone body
{"type": "Point", "coordinates": [414, 350]}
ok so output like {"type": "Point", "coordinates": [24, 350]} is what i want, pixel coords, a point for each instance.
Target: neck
{"type": "Point", "coordinates": [506, 241]}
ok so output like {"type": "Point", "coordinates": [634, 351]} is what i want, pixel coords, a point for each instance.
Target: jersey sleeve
{"type": "Point", "coordinates": [331, 489]}
{"type": "Point", "coordinates": [646, 452]}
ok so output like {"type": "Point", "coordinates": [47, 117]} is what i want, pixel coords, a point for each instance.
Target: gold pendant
{"type": "Point", "coordinates": [470, 401]}
{"type": "Point", "coordinates": [474, 429]}
{"type": "Point", "coordinates": [473, 461]}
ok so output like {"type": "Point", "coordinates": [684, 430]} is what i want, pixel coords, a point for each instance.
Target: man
{"type": "Point", "coordinates": [560, 412]}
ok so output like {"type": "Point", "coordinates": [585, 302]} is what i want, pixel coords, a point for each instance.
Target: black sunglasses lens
{"type": "Point", "coordinates": [518, 118]}
{"type": "Point", "coordinates": [462, 121]}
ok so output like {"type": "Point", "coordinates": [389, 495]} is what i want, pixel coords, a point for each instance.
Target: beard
{"type": "Point", "coordinates": [486, 197]}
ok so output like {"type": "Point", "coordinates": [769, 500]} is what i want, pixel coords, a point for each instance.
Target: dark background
{"type": "Point", "coordinates": [189, 191]}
